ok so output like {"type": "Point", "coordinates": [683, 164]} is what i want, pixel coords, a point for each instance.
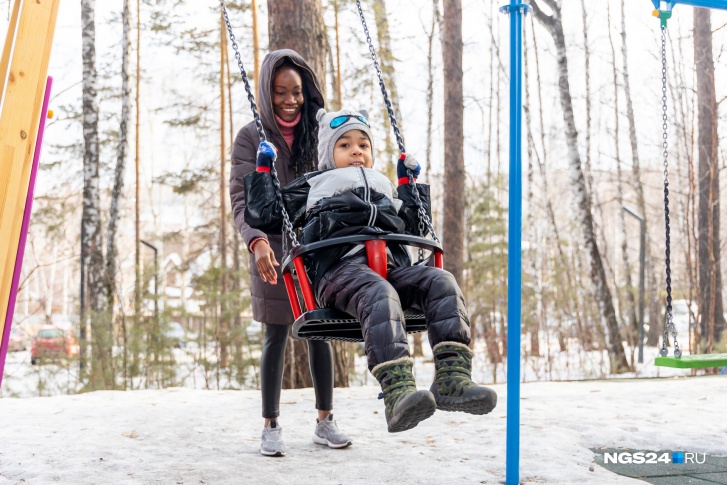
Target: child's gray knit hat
{"type": "Point", "coordinates": [331, 126]}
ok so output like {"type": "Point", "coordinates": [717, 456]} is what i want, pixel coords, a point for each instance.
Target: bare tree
{"type": "Point", "coordinates": [121, 148]}
{"type": "Point", "coordinates": [454, 173]}
{"type": "Point", "coordinates": [388, 73]}
{"type": "Point", "coordinates": [554, 26]}
{"type": "Point", "coordinates": [629, 289]}
{"type": "Point", "coordinates": [710, 277]}
{"type": "Point", "coordinates": [101, 376]}
{"type": "Point", "coordinates": [224, 325]}
{"type": "Point", "coordinates": [652, 290]}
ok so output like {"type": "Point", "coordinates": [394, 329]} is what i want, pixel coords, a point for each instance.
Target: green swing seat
{"type": "Point", "coordinates": [698, 361]}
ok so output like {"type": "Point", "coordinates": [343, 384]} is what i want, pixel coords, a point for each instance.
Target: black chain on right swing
{"type": "Point", "coordinates": [669, 325]}
{"type": "Point", "coordinates": [423, 217]}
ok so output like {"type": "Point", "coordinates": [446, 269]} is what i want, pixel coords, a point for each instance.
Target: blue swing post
{"type": "Point", "coordinates": [516, 11]}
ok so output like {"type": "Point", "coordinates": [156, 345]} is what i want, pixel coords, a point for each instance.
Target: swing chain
{"type": "Point", "coordinates": [423, 218]}
{"type": "Point", "coordinates": [389, 109]}
{"type": "Point", "coordinates": [287, 225]}
{"type": "Point", "coordinates": [669, 326]}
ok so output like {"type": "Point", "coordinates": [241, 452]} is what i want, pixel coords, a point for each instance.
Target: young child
{"type": "Point", "coordinates": [346, 197]}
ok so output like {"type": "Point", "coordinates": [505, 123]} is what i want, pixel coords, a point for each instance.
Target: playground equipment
{"type": "Point", "coordinates": [24, 93]}
{"type": "Point", "coordinates": [327, 323]}
{"type": "Point", "coordinates": [516, 11]}
{"type": "Point", "coordinates": [698, 361]}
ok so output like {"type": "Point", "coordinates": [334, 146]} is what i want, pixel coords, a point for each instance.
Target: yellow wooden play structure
{"type": "Point", "coordinates": [23, 79]}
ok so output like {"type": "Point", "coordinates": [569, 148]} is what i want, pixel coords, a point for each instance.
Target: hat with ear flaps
{"type": "Point", "coordinates": [332, 125]}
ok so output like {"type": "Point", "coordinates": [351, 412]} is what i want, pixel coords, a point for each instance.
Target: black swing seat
{"type": "Point", "coordinates": [332, 324]}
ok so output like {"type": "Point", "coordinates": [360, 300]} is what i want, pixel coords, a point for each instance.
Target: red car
{"type": "Point", "coordinates": [53, 342]}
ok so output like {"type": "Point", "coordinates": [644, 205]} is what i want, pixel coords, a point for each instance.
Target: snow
{"type": "Point", "coordinates": [181, 435]}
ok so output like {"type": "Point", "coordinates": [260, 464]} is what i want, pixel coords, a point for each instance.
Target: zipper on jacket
{"type": "Point", "coordinates": [367, 199]}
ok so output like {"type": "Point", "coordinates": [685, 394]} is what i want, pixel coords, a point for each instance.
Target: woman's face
{"type": "Point", "coordinates": [287, 93]}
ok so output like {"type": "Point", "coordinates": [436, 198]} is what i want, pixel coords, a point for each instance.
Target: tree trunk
{"type": "Point", "coordinates": [651, 292]}
{"type": "Point", "coordinates": [632, 329]}
{"type": "Point", "coordinates": [388, 74]}
{"type": "Point", "coordinates": [224, 332]}
{"type": "Point", "coordinates": [337, 76]}
{"type": "Point", "coordinates": [553, 24]}
{"type": "Point", "coordinates": [454, 174]}
{"type": "Point", "coordinates": [710, 278]}
{"type": "Point", "coordinates": [121, 148]}
{"type": "Point", "coordinates": [298, 25]}
{"type": "Point", "coordinates": [255, 47]}
{"type": "Point", "coordinates": [137, 181]}
{"type": "Point", "coordinates": [101, 376]}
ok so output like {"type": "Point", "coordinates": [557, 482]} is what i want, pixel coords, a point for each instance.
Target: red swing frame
{"type": "Point", "coordinates": [293, 269]}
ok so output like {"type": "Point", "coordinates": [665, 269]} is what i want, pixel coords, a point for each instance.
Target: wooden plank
{"type": "Point", "coordinates": [23, 99]}
{"type": "Point", "coordinates": [9, 38]}
{"type": "Point", "coordinates": [698, 361]}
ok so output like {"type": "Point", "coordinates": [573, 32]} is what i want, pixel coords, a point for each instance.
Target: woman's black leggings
{"type": "Point", "coordinates": [320, 356]}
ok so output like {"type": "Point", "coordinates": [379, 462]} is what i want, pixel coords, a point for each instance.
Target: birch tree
{"type": "Point", "coordinates": [101, 375]}
{"type": "Point", "coordinates": [602, 293]}
{"type": "Point", "coordinates": [121, 148]}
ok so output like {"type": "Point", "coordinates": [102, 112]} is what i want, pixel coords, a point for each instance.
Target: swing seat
{"type": "Point", "coordinates": [331, 324]}
{"type": "Point", "coordinates": [698, 361]}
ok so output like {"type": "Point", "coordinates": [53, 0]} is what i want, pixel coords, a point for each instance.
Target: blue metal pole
{"type": "Point", "coordinates": [514, 252]}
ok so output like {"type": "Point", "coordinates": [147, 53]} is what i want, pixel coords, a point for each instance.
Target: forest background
{"type": "Point", "coordinates": [159, 79]}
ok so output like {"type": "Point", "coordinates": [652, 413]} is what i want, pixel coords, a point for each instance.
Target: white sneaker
{"type": "Point", "coordinates": [327, 433]}
{"type": "Point", "coordinates": [272, 440]}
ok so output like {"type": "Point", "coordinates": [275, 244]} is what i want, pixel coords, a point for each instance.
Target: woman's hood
{"type": "Point", "coordinates": [265, 84]}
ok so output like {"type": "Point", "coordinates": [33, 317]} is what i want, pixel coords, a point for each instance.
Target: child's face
{"type": "Point", "coordinates": [353, 149]}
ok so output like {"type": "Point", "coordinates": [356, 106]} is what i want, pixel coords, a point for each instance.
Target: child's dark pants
{"type": "Point", "coordinates": [351, 286]}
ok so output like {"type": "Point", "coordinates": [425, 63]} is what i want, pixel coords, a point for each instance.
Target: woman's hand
{"type": "Point", "coordinates": [265, 261]}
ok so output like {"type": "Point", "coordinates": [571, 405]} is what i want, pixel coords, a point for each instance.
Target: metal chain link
{"type": "Point", "coordinates": [424, 220]}
{"type": "Point", "coordinates": [392, 117]}
{"type": "Point", "coordinates": [250, 97]}
{"type": "Point", "coordinates": [287, 226]}
{"type": "Point", "coordinates": [669, 325]}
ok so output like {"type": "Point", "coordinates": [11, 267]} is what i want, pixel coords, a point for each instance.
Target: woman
{"type": "Point", "coordinates": [288, 98]}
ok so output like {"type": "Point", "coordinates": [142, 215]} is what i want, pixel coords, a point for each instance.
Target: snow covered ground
{"type": "Point", "coordinates": [185, 436]}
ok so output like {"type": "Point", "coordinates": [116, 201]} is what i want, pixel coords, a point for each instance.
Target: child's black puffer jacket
{"type": "Point", "coordinates": [335, 203]}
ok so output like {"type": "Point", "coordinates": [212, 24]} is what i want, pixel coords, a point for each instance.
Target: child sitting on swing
{"type": "Point", "coordinates": [355, 199]}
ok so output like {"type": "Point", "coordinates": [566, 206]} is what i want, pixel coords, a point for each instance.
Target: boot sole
{"type": "Point", "coordinates": [420, 406]}
{"type": "Point", "coordinates": [477, 405]}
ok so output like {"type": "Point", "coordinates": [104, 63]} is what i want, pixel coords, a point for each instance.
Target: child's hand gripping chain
{"type": "Point", "coordinates": [406, 164]}
{"type": "Point", "coordinates": [266, 156]}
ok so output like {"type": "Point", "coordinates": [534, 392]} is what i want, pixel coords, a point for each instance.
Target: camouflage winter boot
{"type": "Point", "coordinates": [453, 388]}
{"type": "Point", "coordinates": [405, 406]}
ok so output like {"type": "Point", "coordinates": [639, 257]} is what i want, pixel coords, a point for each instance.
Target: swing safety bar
{"type": "Point", "coordinates": [331, 324]}
{"type": "Point", "coordinates": [294, 268]}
